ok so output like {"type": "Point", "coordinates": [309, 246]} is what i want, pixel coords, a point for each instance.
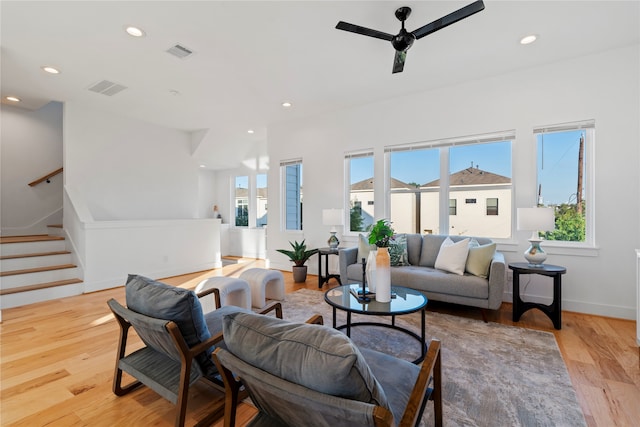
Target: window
{"type": "Point", "coordinates": [242, 201]}
{"type": "Point", "coordinates": [261, 200]}
{"type": "Point", "coordinates": [424, 177]}
{"type": "Point", "coordinates": [414, 197]}
{"type": "Point", "coordinates": [359, 169]}
{"type": "Point", "coordinates": [291, 173]}
{"type": "Point", "coordinates": [564, 180]}
{"type": "Point", "coordinates": [492, 206]}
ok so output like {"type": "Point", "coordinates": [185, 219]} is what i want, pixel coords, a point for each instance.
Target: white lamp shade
{"type": "Point", "coordinates": [332, 216]}
{"type": "Point", "coordinates": [536, 219]}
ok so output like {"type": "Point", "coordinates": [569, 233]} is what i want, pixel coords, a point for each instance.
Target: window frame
{"type": "Point", "coordinates": [444, 146]}
{"type": "Point", "coordinates": [588, 185]}
{"type": "Point", "coordinates": [284, 195]}
{"type": "Point", "coordinates": [348, 156]}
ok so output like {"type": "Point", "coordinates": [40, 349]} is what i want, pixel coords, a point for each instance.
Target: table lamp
{"type": "Point", "coordinates": [535, 220]}
{"type": "Point", "coordinates": [332, 217]}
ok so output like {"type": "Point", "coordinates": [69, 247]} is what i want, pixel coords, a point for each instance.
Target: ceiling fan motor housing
{"type": "Point", "coordinates": [403, 41]}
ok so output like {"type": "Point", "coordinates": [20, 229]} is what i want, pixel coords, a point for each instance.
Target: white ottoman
{"type": "Point", "coordinates": [264, 284]}
{"type": "Point", "coordinates": [232, 292]}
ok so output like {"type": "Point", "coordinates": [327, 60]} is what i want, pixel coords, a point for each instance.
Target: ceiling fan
{"type": "Point", "coordinates": [404, 39]}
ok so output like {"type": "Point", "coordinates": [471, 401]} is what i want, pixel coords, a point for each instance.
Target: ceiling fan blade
{"type": "Point", "coordinates": [398, 61]}
{"type": "Point", "coordinates": [364, 31]}
{"type": "Point", "coordinates": [449, 19]}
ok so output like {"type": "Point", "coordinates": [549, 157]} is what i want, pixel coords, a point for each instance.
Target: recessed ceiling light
{"type": "Point", "coordinates": [203, 166]}
{"type": "Point", "coordinates": [51, 70]}
{"type": "Point", "coordinates": [174, 92]}
{"type": "Point", "coordinates": [12, 98]}
{"type": "Point", "coordinates": [286, 104]}
{"type": "Point", "coordinates": [135, 31]}
{"type": "Point", "coordinates": [250, 131]}
{"type": "Point", "coordinates": [528, 39]}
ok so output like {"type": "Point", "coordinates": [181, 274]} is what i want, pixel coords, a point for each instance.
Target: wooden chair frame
{"type": "Point", "coordinates": [431, 369]}
{"type": "Point", "coordinates": [187, 354]}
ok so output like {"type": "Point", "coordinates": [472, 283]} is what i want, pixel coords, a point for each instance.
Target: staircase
{"type": "Point", "coordinates": [36, 268]}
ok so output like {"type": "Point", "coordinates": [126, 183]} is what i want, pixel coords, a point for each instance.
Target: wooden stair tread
{"type": "Point", "coordinates": [55, 225]}
{"type": "Point", "coordinates": [39, 286]}
{"type": "Point", "coordinates": [35, 254]}
{"type": "Point", "coordinates": [32, 238]}
{"type": "Point", "coordinates": [37, 269]}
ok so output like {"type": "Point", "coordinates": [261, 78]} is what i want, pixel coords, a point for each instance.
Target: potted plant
{"type": "Point", "coordinates": [299, 255]}
{"type": "Point", "coordinates": [381, 233]}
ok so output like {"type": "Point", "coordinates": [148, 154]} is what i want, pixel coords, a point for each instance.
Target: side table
{"type": "Point", "coordinates": [324, 278]}
{"type": "Point", "coordinates": [554, 310]}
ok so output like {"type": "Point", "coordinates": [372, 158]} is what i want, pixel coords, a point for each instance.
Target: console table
{"type": "Point", "coordinates": [324, 278]}
{"type": "Point", "coordinates": [554, 310]}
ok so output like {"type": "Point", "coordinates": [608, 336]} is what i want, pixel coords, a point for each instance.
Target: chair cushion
{"type": "Point", "coordinates": [162, 301]}
{"type": "Point", "coordinates": [316, 357]}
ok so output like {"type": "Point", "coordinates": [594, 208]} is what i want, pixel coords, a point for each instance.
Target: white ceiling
{"type": "Point", "coordinates": [251, 56]}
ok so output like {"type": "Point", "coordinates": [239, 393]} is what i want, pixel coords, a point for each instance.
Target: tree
{"type": "Point", "coordinates": [570, 223]}
{"type": "Point", "coordinates": [355, 218]}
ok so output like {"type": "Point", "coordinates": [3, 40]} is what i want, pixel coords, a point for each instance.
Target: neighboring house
{"type": "Point", "coordinates": [479, 204]}
{"type": "Point", "coordinates": [361, 198]}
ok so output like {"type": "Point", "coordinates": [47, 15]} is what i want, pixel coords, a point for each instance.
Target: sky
{"type": "Point", "coordinates": [557, 164]}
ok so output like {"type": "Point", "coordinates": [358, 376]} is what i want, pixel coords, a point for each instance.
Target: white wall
{"type": "Point", "coordinates": [603, 87]}
{"type": "Point", "coordinates": [31, 148]}
{"type": "Point", "coordinates": [206, 193]}
{"type": "Point", "coordinates": [126, 169]}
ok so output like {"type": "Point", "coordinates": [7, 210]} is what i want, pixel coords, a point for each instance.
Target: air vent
{"type": "Point", "coordinates": [106, 87]}
{"type": "Point", "coordinates": [180, 51]}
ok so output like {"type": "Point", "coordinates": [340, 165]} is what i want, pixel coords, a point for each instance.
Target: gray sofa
{"type": "Point", "coordinates": [436, 284]}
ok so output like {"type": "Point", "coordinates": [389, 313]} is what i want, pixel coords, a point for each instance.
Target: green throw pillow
{"type": "Point", "coordinates": [398, 250]}
{"type": "Point", "coordinates": [479, 259]}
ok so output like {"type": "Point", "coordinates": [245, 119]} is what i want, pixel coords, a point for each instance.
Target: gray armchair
{"type": "Point", "coordinates": [312, 375]}
{"type": "Point", "coordinates": [178, 340]}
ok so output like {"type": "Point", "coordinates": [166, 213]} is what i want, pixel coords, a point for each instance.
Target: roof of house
{"type": "Point", "coordinates": [472, 176]}
{"type": "Point", "coordinates": [367, 184]}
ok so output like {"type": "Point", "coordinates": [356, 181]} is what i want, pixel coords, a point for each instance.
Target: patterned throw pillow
{"type": "Point", "coordinates": [398, 250]}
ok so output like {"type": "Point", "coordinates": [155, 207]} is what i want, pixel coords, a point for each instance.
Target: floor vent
{"type": "Point", "coordinates": [106, 87]}
{"type": "Point", "coordinates": [180, 51]}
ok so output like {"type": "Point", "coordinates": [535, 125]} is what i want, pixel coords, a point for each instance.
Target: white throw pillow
{"type": "Point", "coordinates": [479, 260]}
{"type": "Point", "coordinates": [453, 256]}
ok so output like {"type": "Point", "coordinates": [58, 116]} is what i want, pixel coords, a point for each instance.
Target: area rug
{"type": "Point", "coordinates": [493, 375]}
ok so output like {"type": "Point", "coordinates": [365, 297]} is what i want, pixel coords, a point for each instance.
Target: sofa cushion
{"type": "Point", "coordinates": [398, 250]}
{"type": "Point", "coordinates": [479, 259]}
{"type": "Point", "coordinates": [182, 306]}
{"type": "Point", "coordinates": [414, 246]}
{"type": "Point", "coordinates": [432, 281]}
{"type": "Point", "coordinates": [430, 247]}
{"type": "Point", "coordinates": [317, 357]}
{"type": "Point", "coordinates": [452, 256]}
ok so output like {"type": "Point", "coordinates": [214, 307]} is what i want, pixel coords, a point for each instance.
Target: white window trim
{"type": "Point", "coordinates": [589, 246]}
{"type": "Point", "coordinates": [283, 196]}
{"type": "Point", "coordinates": [347, 191]}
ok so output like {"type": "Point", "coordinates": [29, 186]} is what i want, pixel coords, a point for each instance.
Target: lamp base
{"type": "Point", "coordinates": [333, 241]}
{"type": "Point", "coordinates": [535, 255]}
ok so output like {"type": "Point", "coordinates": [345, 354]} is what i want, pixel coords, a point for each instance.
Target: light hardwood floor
{"type": "Point", "coordinates": [57, 361]}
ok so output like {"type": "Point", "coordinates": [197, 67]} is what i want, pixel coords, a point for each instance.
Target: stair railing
{"type": "Point", "coordinates": [46, 177]}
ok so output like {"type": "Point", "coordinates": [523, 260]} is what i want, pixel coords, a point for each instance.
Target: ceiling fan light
{"type": "Point", "coordinates": [528, 39]}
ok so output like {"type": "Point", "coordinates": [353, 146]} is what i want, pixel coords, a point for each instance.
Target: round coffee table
{"type": "Point", "coordinates": [406, 301]}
